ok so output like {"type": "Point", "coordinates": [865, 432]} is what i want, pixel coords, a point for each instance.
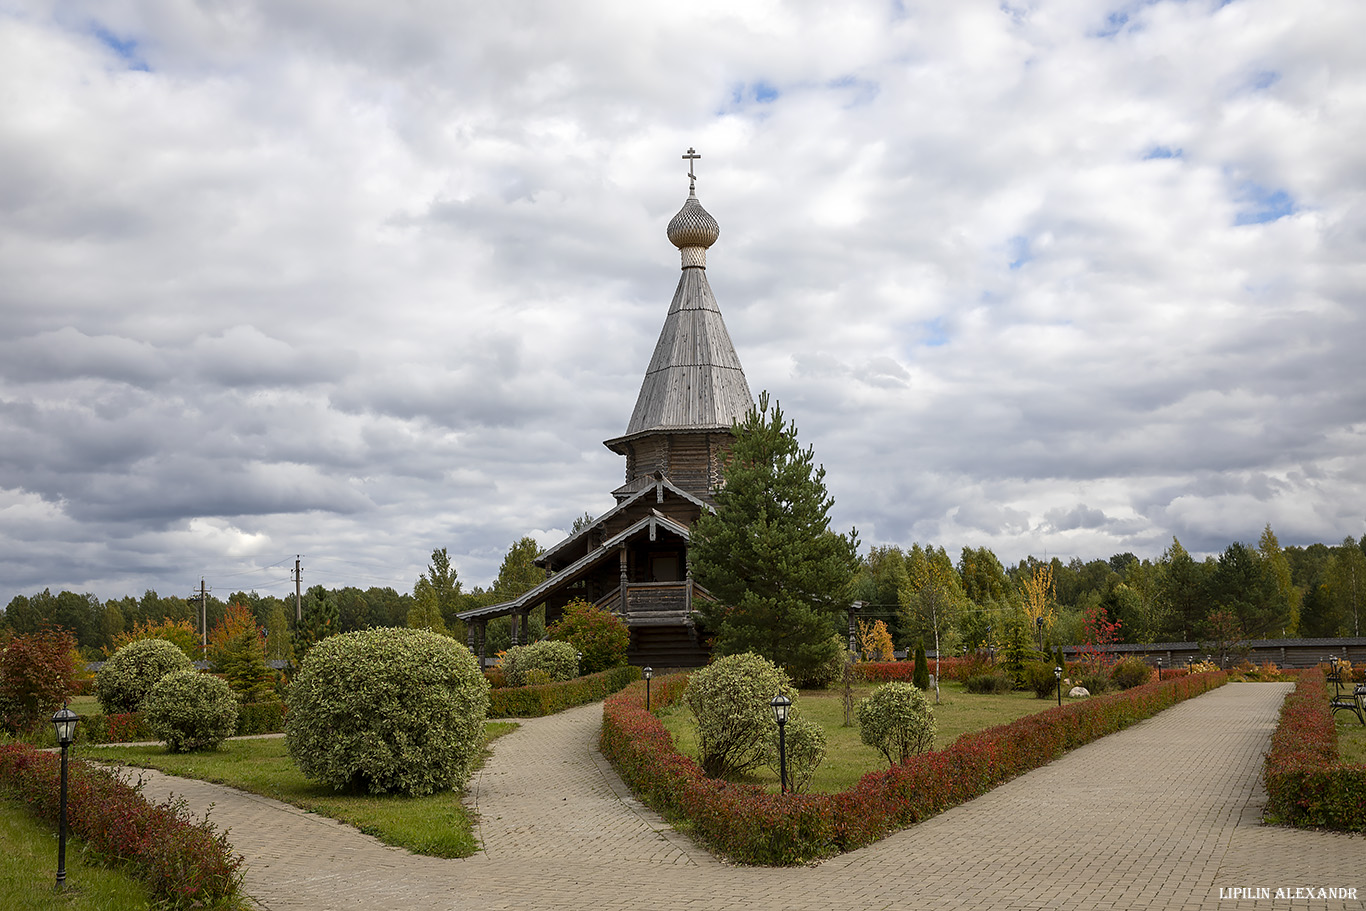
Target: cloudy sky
{"type": "Point", "coordinates": [356, 280]}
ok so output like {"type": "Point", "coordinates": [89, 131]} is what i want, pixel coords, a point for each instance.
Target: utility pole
{"type": "Point", "coordinates": [202, 596]}
{"type": "Point", "coordinates": [1356, 617]}
{"type": "Point", "coordinates": [204, 617]}
{"type": "Point", "coordinates": [298, 593]}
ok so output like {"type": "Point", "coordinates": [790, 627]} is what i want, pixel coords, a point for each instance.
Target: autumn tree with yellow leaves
{"type": "Point", "coordinates": [1039, 599]}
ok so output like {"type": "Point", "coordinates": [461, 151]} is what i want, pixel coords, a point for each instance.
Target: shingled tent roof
{"type": "Point", "coordinates": [694, 381]}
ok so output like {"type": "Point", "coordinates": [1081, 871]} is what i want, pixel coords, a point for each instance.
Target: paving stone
{"type": "Point", "coordinates": [1162, 815]}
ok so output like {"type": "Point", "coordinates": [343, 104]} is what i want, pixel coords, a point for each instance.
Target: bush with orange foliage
{"type": "Point", "coordinates": [181, 633]}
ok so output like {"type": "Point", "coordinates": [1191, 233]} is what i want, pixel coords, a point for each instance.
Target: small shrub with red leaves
{"type": "Point", "coordinates": [186, 863]}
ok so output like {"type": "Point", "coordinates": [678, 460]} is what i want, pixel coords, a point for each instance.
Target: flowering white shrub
{"type": "Point", "coordinates": [559, 661]}
{"type": "Point", "coordinates": [127, 677]}
{"type": "Point", "coordinates": [730, 703]}
{"type": "Point", "coordinates": [191, 711]}
{"type": "Point", "coordinates": [387, 710]}
{"type": "Point", "coordinates": [897, 720]}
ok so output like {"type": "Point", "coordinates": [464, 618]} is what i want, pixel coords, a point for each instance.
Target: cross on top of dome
{"type": "Point", "coordinates": [690, 157]}
{"type": "Point", "coordinates": [693, 229]}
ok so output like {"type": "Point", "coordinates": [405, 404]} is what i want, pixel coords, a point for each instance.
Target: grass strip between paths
{"type": "Point", "coordinates": [749, 825]}
{"type": "Point", "coordinates": [28, 870]}
{"type": "Point", "coordinates": [847, 757]}
{"type": "Point", "coordinates": [437, 825]}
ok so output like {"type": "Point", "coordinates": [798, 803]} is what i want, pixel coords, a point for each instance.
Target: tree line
{"type": "Point", "coordinates": [437, 596]}
{"type": "Point", "coordinates": [1246, 592]}
{"type": "Point", "coordinates": [1261, 591]}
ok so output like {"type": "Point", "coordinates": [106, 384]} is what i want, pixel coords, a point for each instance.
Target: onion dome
{"type": "Point", "coordinates": [693, 226]}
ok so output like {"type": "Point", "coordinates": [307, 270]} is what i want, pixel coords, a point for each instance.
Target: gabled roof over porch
{"type": "Point", "coordinates": [660, 497]}
{"type": "Point", "coordinates": [651, 526]}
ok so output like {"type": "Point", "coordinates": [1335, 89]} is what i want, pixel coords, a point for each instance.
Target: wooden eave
{"type": "Point", "coordinates": [652, 524]}
{"type": "Point", "coordinates": [659, 486]}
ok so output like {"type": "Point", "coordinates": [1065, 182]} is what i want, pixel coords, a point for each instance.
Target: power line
{"type": "Point", "coordinates": [256, 569]}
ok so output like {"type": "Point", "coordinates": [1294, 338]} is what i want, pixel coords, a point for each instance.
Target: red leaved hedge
{"type": "Point", "coordinates": [1306, 783]}
{"type": "Point", "coordinates": [184, 862]}
{"type": "Point", "coordinates": [750, 825]}
{"type": "Point", "coordinates": [950, 668]}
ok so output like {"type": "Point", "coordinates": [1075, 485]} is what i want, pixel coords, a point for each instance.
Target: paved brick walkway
{"type": "Point", "coordinates": [1163, 815]}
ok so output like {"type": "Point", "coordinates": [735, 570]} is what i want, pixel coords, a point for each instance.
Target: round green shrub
{"type": "Point", "coordinates": [1130, 672]}
{"type": "Point", "coordinates": [804, 743]}
{"type": "Point", "coordinates": [559, 660]}
{"type": "Point", "coordinates": [1095, 683]}
{"type": "Point", "coordinates": [191, 711]}
{"type": "Point", "coordinates": [384, 710]}
{"type": "Point", "coordinates": [598, 633]}
{"type": "Point", "coordinates": [988, 683]}
{"type": "Point", "coordinates": [729, 701]}
{"type": "Point", "coordinates": [1040, 678]}
{"type": "Point", "coordinates": [897, 720]}
{"type": "Point", "coordinates": [127, 677]}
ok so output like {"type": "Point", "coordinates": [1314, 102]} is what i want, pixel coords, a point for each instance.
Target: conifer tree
{"type": "Point", "coordinates": [781, 575]}
{"type": "Point", "coordinates": [319, 620]}
{"type": "Point", "coordinates": [237, 651]}
{"type": "Point", "coordinates": [920, 674]}
{"type": "Point", "coordinates": [436, 596]}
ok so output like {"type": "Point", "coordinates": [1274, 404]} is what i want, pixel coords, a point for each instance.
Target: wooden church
{"type": "Point", "coordinates": [633, 559]}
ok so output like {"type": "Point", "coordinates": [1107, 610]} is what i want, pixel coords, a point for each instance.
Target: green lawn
{"type": "Point", "coordinates": [85, 705]}
{"type": "Point", "coordinates": [437, 825]}
{"type": "Point", "coordinates": [28, 871]}
{"type": "Point", "coordinates": [1351, 739]}
{"type": "Point", "coordinates": [847, 758]}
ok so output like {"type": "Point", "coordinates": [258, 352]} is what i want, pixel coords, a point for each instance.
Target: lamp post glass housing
{"type": "Point", "coordinates": [780, 705]}
{"type": "Point", "coordinates": [64, 721]}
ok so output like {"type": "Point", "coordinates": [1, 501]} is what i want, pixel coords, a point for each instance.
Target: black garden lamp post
{"type": "Point", "coordinates": [65, 723]}
{"type": "Point", "coordinates": [1159, 670]}
{"type": "Point", "coordinates": [780, 705]}
{"type": "Point", "coordinates": [648, 672]}
{"type": "Point", "coordinates": [1057, 675]}
{"type": "Point", "coordinates": [853, 634]}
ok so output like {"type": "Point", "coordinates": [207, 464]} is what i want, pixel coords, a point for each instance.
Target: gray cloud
{"type": "Point", "coordinates": [358, 283]}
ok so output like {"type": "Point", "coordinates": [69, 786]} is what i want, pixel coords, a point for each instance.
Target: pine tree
{"type": "Point", "coordinates": [436, 596]}
{"type": "Point", "coordinates": [781, 575]}
{"type": "Point", "coordinates": [1018, 649]}
{"type": "Point", "coordinates": [237, 651]}
{"type": "Point", "coordinates": [320, 619]}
